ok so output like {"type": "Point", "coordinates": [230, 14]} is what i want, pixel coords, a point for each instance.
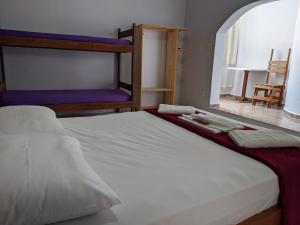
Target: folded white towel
{"type": "Point", "coordinates": [208, 128]}
{"type": "Point", "coordinates": [216, 122]}
{"type": "Point", "coordinates": [175, 109]}
{"type": "Point", "coordinates": [263, 139]}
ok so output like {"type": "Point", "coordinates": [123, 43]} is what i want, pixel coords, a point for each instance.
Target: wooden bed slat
{"type": "Point", "coordinates": [63, 44]}
{"type": "Point", "coordinates": [89, 106]}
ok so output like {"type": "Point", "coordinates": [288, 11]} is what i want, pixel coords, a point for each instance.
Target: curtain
{"type": "Point", "coordinates": [231, 56]}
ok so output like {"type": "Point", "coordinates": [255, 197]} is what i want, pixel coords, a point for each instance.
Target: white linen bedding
{"type": "Point", "coordinates": [263, 139]}
{"type": "Point", "coordinates": [28, 119]}
{"type": "Point", "coordinates": [165, 175]}
{"type": "Point", "coordinates": [176, 109]}
{"type": "Point", "coordinates": [44, 179]}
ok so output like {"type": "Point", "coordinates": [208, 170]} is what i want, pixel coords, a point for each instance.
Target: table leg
{"type": "Point", "coordinates": [245, 83]}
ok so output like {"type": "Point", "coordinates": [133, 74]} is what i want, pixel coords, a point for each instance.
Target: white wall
{"type": "Point", "coordinates": [265, 27]}
{"type": "Point", "coordinates": [153, 74]}
{"type": "Point", "coordinates": [203, 20]}
{"type": "Point", "coordinates": [292, 104]}
{"type": "Point", "coordinates": [56, 69]}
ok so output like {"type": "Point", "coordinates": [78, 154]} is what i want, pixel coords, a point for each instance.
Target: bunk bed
{"type": "Point", "coordinates": [125, 96]}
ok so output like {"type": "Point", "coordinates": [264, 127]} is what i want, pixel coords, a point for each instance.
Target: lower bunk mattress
{"type": "Point", "coordinates": [57, 97]}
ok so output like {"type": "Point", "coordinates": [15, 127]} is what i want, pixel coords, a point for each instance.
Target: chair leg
{"type": "Point", "coordinates": [271, 98]}
{"type": "Point", "coordinates": [269, 105]}
{"type": "Point", "coordinates": [266, 95]}
{"type": "Point", "coordinates": [280, 98]}
{"type": "Point", "coordinates": [255, 94]}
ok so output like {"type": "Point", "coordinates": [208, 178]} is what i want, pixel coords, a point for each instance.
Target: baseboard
{"type": "Point", "coordinates": [214, 105]}
{"type": "Point", "coordinates": [233, 97]}
{"type": "Point", "coordinates": [293, 115]}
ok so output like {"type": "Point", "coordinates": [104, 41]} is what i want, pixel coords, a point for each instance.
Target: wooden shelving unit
{"type": "Point", "coordinates": [172, 50]}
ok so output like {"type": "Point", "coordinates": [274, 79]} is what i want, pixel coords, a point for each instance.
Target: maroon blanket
{"type": "Point", "coordinates": [285, 162]}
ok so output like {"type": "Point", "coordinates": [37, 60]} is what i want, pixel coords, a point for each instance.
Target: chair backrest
{"type": "Point", "coordinates": [279, 67]}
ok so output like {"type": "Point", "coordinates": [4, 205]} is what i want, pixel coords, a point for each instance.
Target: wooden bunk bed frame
{"type": "Point", "coordinates": [48, 43]}
{"type": "Point", "coordinates": [272, 216]}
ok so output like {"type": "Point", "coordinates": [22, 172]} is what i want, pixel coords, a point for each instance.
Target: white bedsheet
{"type": "Point", "coordinates": [165, 175]}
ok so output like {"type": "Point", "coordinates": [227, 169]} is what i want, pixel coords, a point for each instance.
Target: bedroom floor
{"type": "Point", "coordinates": [275, 116]}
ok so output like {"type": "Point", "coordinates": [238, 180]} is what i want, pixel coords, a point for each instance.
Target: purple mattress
{"type": "Point", "coordinates": [16, 33]}
{"type": "Point", "coordinates": [55, 97]}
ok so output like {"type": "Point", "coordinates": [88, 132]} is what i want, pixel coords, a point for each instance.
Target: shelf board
{"type": "Point", "coordinates": [157, 90]}
{"type": "Point", "coordinates": [161, 28]}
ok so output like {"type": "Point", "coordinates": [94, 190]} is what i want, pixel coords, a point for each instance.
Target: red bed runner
{"type": "Point", "coordinates": [285, 162]}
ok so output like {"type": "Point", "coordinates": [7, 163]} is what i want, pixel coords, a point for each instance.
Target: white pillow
{"type": "Point", "coordinates": [28, 119]}
{"type": "Point", "coordinates": [45, 179]}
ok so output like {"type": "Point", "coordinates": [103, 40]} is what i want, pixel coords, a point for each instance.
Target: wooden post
{"type": "Point", "coordinates": [118, 58]}
{"type": "Point", "coordinates": [137, 66]}
{"type": "Point", "coordinates": [171, 65]}
{"type": "Point", "coordinates": [3, 81]}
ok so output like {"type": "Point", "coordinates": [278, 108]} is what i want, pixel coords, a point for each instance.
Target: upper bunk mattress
{"type": "Point", "coordinates": [66, 37]}
{"type": "Point", "coordinates": [55, 97]}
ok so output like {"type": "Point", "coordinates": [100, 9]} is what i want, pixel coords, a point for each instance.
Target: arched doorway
{"type": "Point", "coordinates": [260, 27]}
{"type": "Point", "coordinates": [219, 55]}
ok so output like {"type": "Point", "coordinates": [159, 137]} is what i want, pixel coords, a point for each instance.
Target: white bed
{"type": "Point", "coordinates": [165, 175]}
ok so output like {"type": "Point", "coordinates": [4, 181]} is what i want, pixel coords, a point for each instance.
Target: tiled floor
{"type": "Point", "coordinates": [259, 112]}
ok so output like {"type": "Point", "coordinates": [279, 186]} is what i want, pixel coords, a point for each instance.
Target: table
{"type": "Point", "coordinates": [246, 76]}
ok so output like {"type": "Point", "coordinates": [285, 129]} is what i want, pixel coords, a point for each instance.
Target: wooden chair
{"type": "Point", "coordinates": [273, 93]}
